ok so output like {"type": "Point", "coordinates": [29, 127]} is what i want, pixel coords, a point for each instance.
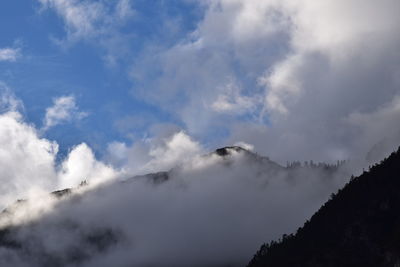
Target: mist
{"type": "Point", "coordinates": [214, 210]}
{"type": "Point", "coordinates": [162, 202]}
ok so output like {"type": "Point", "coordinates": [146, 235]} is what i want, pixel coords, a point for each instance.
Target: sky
{"type": "Point", "coordinates": [50, 50]}
{"type": "Point", "coordinates": [132, 81]}
{"type": "Point", "coordinates": [299, 80]}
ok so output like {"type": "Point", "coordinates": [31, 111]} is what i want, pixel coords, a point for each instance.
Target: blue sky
{"type": "Point", "coordinates": [296, 80]}
{"type": "Point", "coordinates": [50, 66]}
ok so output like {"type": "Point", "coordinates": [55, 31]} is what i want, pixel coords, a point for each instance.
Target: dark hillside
{"type": "Point", "coordinates": [358, 226]}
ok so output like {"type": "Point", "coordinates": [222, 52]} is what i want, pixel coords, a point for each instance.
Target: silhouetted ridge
{"type": "Point", "coordinates": [156, 178]}
{"type": "Point", "coordinates": [359, 226]}
{"type": "Point", "coordinates": [224, 151]}
{"type": "Point", "coordinates": [63, 192]}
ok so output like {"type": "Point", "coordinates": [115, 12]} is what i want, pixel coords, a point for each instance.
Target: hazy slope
{"type": "Point", "coordinates": [212, 211]}
{"type": "Point", "coordinates": [359, 226]}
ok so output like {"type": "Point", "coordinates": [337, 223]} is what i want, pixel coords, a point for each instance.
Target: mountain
{"type": "Point", "coordinates": [214, 210]}
{"type": "Point", "coordinates": [358, 226]}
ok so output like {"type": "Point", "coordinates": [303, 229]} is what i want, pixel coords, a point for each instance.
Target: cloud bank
{"type": "Point", "coordinates": [213, 210]}
{"type": "Point", "coordinates": [208, 210]}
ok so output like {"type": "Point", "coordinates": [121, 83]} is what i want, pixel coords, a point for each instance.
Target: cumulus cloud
{"type": "Point", "coordinates": [9, 54]}
{"type": "Point", "coordinates": [81, 165]}
{"type": "Point", "coordinates": [216, 67]}
{"type": "Point", "coordinates": [158, 153]}
{"type": "Point", "coordinates": [64, 109]}
{"type": "Point", "coordinates": [28, 161]}
{"type": "Point", "coordinates": [337, 66]}
{"type": "Point", "coordinates": [329, 31]}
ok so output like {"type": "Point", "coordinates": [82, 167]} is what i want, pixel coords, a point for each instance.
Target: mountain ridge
{"type": "Point", "coordinates": [358, 226]}
{"type": "Point", "coordinates": [228, 178]}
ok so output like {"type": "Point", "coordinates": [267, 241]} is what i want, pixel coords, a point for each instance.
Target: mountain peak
{"type": "Point", "coordinates": [227, 150]}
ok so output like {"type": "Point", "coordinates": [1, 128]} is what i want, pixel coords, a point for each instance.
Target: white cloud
{"type": "Point", "coordinates": [242, 22]}
{"type": "Point", "coordinates": [124, 9]}
{"type": "Point", "coordinates": [8, 101]}
{"type": "Point", "coordinates": [9, 54]}
{"type": "Point", "coordinates": [64, 109]}
{"type": "Point", "coordinates": [329, 30]}
{"type": "Point", "coordinates": [337, 66]}
{"type": "Point", "coordinates": [117, 153]}
{"type": "Point", "coordinates": [282, 83]}
{"type": "Point", "coordinates": [311, 64]}
{"type": "Point", "coordinates": [174, 150]}
{"type": "Point", "coordinates": [231, 100]}
{"type": "Point", "coordinates": [28, 161]}
{"type": "Point", "coordinates": [81, 165]}
{"type": "Point", "coordinates": [96, 22]}
{"type": "Point", "coordinates": [161, 152]}
{"type": "Point", "coordinates": [214, 71]}
{"type": "Point", "coordinates": [80, 17]}
{"type": "Point", "coordinates": [245, 145]}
